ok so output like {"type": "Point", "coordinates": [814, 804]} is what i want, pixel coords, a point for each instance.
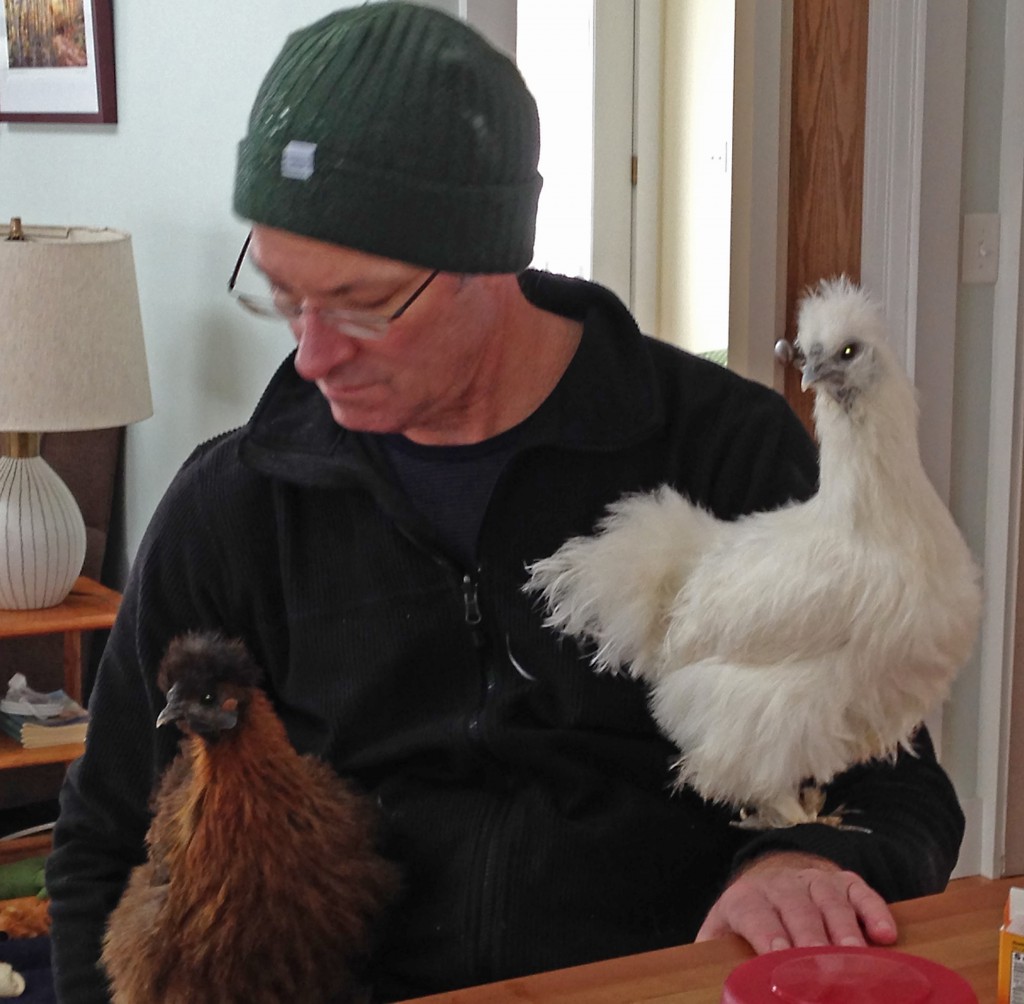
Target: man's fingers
{"type": "Point", "coordinates": [874, 913]}
{"type": "Point", "coordinates": [761, 927]}
{"type": "Point", "coordinates": [745, 911]}
{"type": "Point", "coordinates": [781, 907]}
{"type": "Point", "coordinates": [715, 925]}
{"type": "Point", "coordinates": [839, 914]}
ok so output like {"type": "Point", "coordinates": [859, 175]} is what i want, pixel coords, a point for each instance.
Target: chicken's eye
{"type": "Point", "coordinates": [208, 700]}
{"type": "Point", "coordinates": [850, 351]}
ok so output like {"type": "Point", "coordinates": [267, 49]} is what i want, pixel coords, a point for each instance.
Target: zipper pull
{"type": "Point", "coordinates": [470, 602]}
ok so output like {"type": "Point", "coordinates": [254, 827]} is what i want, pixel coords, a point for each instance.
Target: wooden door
{"type": "Point", "coordinates": [826, 181]}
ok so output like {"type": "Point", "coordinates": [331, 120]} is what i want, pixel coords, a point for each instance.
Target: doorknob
{"type": "Point", "coordinates": [786, 354]}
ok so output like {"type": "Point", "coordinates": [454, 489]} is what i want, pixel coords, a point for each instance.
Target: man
{"type": "Point", "coordinates": [444, 421]}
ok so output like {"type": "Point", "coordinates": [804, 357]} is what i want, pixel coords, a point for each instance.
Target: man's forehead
{"type": "Point", "coordinates": [332, 268]}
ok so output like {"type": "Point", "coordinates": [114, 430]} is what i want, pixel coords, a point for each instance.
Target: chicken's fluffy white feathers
{"type": "Point", "coordinates": [788, 645]}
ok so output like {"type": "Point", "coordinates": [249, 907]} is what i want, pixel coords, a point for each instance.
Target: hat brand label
{"type": "Point", "coordinates": [297, 160]}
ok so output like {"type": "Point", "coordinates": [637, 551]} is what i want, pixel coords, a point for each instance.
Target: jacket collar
{"type": "Point", "coordinates": [606, 400]}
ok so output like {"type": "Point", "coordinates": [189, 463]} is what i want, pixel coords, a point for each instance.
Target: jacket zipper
{"type": "Point", "coordinates": [473, 618]}
{"type": "Point", "coordinates": [482, 935]}
{"type": "Point", "coordinates": [471, 607]}
{"type": "Point", "coordinates": [482, 951]}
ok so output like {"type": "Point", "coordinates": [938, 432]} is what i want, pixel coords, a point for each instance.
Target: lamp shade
{"type": "Point", "coordinates": [72, 354]}
{"type": "Point", "coordinates": [71, 357]}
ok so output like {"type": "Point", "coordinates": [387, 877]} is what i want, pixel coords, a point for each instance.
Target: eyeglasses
{"type": "Point", "coordinates": [354, 323]}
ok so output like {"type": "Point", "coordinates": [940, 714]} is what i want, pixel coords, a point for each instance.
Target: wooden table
{"type": "Point", "coordinates": [958, 928]}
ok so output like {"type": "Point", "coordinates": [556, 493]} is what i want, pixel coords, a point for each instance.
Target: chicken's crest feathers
{"type": "Point", "coordinates": [848, 361]}
{"type": "Point", "coordinates": [200, 661]}
{"type": "Point", "coordinates": [833, 312]}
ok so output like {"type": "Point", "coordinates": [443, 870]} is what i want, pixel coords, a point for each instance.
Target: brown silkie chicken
{"type": "Point", "coordinates": [262, 882]}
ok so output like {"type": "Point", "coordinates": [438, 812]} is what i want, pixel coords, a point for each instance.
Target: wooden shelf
{"type": "Point", "coordinates": [13, 754]}
{"type": "Point", "coordinates": [88, 607]}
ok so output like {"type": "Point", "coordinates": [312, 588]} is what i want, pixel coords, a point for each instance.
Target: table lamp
{"type": "Point", "coordinates": [72, 357]}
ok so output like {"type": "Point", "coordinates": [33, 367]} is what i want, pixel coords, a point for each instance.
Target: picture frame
{"type": "Point", "coordinates": [57, 61]}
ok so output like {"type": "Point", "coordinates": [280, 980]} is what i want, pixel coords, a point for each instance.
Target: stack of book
{"type": "Point", "coordinates": [36, 720]}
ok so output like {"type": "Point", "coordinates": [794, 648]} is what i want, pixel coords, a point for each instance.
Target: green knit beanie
{"type": "Point", "coordinates": [395, 129]}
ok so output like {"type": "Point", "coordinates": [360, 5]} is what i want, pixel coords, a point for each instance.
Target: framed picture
{"type": "Point", "coordinates": [57, 61]}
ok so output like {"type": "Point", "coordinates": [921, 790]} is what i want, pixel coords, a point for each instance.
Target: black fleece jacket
{"type": "Point", "coordinates": [527, 799]}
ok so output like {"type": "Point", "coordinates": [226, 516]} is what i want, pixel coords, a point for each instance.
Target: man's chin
{"type": "Point", "coordinates": [358, 419]}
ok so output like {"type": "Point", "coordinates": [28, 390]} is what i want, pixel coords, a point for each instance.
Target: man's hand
{"type": "Point", "coordinates": [794, 900]}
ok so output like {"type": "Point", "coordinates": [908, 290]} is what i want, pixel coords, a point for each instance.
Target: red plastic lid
{"type": "Point", "coordinates": [830, 975]}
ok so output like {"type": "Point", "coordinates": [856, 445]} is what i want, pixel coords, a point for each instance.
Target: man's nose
{"type": "Point", "coordinates": [320, 347]}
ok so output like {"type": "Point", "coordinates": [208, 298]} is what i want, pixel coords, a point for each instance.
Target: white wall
{"type": "Point", "coordinates": [693, 308]}
{"type": "Point", "coordinates": [555, 53]}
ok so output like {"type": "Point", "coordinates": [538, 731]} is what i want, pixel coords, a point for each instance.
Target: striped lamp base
{"type": "Point", "coordinates": [42, 535]}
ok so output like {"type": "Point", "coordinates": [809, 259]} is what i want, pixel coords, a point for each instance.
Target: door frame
{"type": "Point", "coordinates": [1001, 734]}
{"type": "Point", "coordinates": [917, 63]}
{"type": "Point", "coordinates": [762, 79]}
{"type": "Point", "coordinates": [614, 232]}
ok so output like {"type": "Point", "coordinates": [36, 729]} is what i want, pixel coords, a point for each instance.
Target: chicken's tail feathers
{"type": "Point", "coordinates": [614, 589]}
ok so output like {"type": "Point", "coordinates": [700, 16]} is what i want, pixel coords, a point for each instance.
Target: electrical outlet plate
{"type": "Point", "coordinates": [979, 248]}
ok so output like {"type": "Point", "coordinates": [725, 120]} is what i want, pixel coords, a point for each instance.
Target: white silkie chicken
{"type": "Point", "coordinates": [784, 647]}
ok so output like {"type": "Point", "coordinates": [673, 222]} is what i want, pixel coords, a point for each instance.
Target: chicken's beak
{"type": "Point", "coordinates": [197, 717]}
{"type": "Point", "coordinates": [817, 369]}
{"type": "Point", "coordinates": [173, 710]}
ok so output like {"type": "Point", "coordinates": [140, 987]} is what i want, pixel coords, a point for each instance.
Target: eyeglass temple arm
{"type": "Point", "coordinates": [238, 264]}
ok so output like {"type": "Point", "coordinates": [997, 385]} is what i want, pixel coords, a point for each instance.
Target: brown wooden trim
{"type": "Point", "coordinates": [826, 165]}
{"type": "Point", "coordinates": [73, 665]}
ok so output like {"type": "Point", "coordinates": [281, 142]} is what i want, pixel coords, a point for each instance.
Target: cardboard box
{"type": "Point", "coordinates": [1010, 985]}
